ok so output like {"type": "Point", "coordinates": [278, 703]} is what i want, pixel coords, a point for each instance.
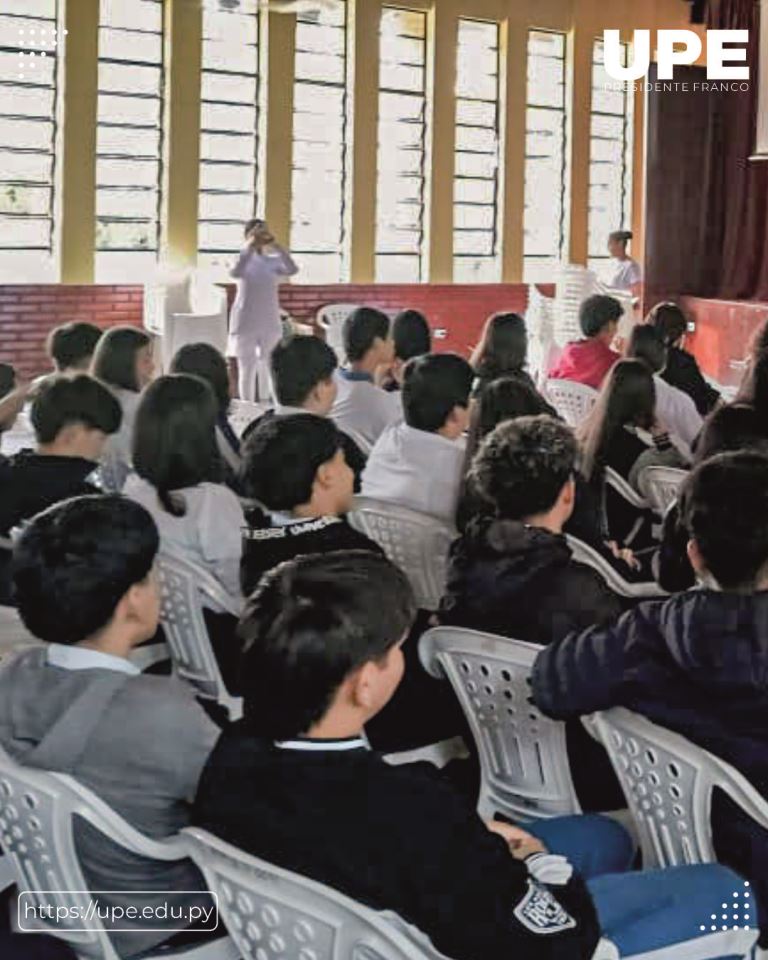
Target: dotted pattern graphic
{"type": "Point", "coordinates": [35, 44]}
{"type": "Point", "coordinates": [739, 910]}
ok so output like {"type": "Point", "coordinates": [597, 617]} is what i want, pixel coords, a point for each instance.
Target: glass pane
{"type": "Point", "coordinates": [131, 45]}
{"type": "Point", "coordinates": [319, 267]}
{"type": "Point", "coordinates": [222, 88]}
{"type": "Point", "coordinates": [119, 235]}
{"type": "Point", "coordinates": [219, 116]}
{"type": "Point", "coordinates": [476, 270]}
{"type": "Point", "coordinates": [399, 268]}
{"type": "Point", "coordinates": [227, 176]}
{"type": "Point", "coordinates": [25, 232]}
{"type": "Point", "coordinates": [23, 200]}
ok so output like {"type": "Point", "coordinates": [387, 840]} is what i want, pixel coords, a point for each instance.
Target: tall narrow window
{"type": "Point", "coordinates": [319, 185]}
{"type": "Point", "coordinates": [610, 156]}
{"type": "Point", "coordinates": [546, 188]}
{"type": "Point", "coordinates": [476, 183]}
{"type": "Point", "coordinates": [128, 151]}
{"type": "Point", "coordinates": [228, 132]}
{"type": "Point", "coordinates": [402, 130]}
{"type": "Point", "coordinates": [28, 58]}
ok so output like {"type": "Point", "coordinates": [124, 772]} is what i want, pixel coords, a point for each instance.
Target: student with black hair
{"type": "Point", "coordinates": [178, 476]}
{"type": "Point", "coordinates": [295, 467]}
{"type": "Point", "coordinates": [682, 369]}
{"type": "Point", "coordinates": [673, 407]}
{"type": "Point", "coordinates": [123, 362]}
{"type": "Point", "coordinates": [295, 784]}
{"type": "Point", "coordinates": [696, 662]}
{"type": "Point", "coordinates": [362, 408]}
{"type": "Point", "coordinates": [624, 273]}
{"type": "Point", "coordinates": [205, 361]}
{"type": "Point", "coordinates": [419, 463]}
{"type": "Point", "coordinates": [589, 360]}
{"type": "Point", "coordinates": [412, 338]}
{"type": "Point", "coordinates": [71, 346]}
{"type": "Point", "coordinates": [86, 587]}
{"type": "Point", "coordinates": [72, 418]}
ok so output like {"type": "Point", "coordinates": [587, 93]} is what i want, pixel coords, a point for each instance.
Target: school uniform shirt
{"type": "Point", "coordinates": [362, 409]}
{"type": "Point", "coordinates": [210, 531]}
{"type": "Point", "coordinates": [682, 371]}
{"type": "Point", "coordinates": [138, 742]}
{"type": "Point", "coordinates": [394, 838]}
{"type": "Point", "coordinates": [270, 540]}
{"type": "Point", "coordinates": [623, 274]}
{"type": "Point", "coordinates": [117, 456]}
{"type": "Point", "coordinates": [585, 361]}
{"type": "Point", "coordinates": [696, 664]}
{"type": "Point", "coordinates": [677, 411]}
{"type": "Point", "coordinates": [416, 469]}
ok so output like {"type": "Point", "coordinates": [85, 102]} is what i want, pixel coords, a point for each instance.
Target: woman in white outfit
{"type": "Point", "coordinates": [254, 323]}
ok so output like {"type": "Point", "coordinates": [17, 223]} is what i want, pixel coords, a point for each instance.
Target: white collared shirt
{"type": "Point", "coordinates": [622, 274]}
{"type": "Point", "coordinates": [363, 410]}
{"type": "Point", "coordinates": [84, 658]}
{"type": "Point", "coordinates": [677, 411]}
{"type": "Point", "coordinates": [416, 469]}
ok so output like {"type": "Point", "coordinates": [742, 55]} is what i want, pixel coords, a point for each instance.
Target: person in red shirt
{"type": "Point", "coordinates": [587, 361]}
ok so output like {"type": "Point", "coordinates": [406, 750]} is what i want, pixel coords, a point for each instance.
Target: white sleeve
{"type": "Point", "coordinates": [283, 263]}
{"type": "Point", "coordinates": [634, 274]}
{"type": "Point", "coordinates": [689, 420]}
{"type": "Point", "coordinates": [239, 268]}
{"type": "Point", "coordinates": [221, 532]}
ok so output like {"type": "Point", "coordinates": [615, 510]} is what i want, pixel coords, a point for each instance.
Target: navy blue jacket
{"type": "Point", "coordinates": [697, 664]}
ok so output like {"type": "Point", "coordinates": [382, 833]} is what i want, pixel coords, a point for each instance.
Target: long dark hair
{"type": "Point", "coordinates": [174, 438]}
{"type": "Point", "coordinates": [204, 361]}
{"type": "Point", "coordinates": [505, 398]}
{"type": "Point", "coordinates": [504, 347]}
{"type": "Point", "coordinates": [114, 360]}
{"type": "Point", "coordinates": [670, 321]}
{"type": "Point", "coordinates": [627, 398]}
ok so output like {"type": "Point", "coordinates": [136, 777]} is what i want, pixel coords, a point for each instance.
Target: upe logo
{"type": "Point", "coordinates": [677, 47]}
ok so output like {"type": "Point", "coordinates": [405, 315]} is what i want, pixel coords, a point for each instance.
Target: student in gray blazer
{"type": "Point", "coordinates": [84, 574]}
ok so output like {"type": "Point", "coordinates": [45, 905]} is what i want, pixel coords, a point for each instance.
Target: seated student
{"type": "Point", "coordinates": [123, 362]}
{"type": "Point", "coordinates": [696, 662]}
{"type": "Point", "coordinates": [587, 361]}
{"type": "Point", "coordinates": [72, 419]}
{"type": "Point", "coordinates": [673, 407]}
{"type": "Point", "coordinates": [412, 338]}
{"type": "Point", "coordinates": [204, 361]}
{"type": "Point", "coordinates": [610, 437]}
{"type": "Point", "coordinates": [302, 370]}
{"type": "Point", "coordinates": [295, 784]}
{"type": "Point", "coordinates": [71, 346]}
{"type": "Point", "coordinates": [178, 476]}
{"type": "Point", "coordinates": [682, 370]}
{"type": "Point", "coordinates": [361, 407]}
{"type": "Point", "coordinates": [85, 586]}
{"type": "Point", "coordinates": [419, 464]}
{"type": "Point", "coordinates": [295, 467]}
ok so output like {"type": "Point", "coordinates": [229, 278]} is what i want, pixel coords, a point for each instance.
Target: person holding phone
{"type": "Point", "coordinates": [254, 322]}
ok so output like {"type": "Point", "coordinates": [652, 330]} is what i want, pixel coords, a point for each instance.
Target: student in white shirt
{"type": "Point", "coordinates": [362, 409]}
{"type": "Point", "coordinates": [673, 407]}
{"type": "Point", "coordinates": [178, 477]}
{"type": "Point", "coordinates": [624, 272]}
{"type": "Point", "coordinates": [419, 464]}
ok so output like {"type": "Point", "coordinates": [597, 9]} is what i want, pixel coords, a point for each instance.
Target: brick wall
{"type": "Point", "coordinates": [28, 312]}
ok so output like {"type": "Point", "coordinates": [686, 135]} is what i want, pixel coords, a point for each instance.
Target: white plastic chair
{"type": "Point", "coordinates": [415, 542]}
{"type": "Point", "coordinates": [573, 401]}
{"type": "Point", "coordinates": [625, 489]}
{"type": "Point", "coordinates": [242, 413]}
{"type": "Point", "coordinates": [183, 587]}
{"type": "Point", "coordinates": [587, 555]}
{"type": "Point", "coordinates": [37, 809]}
{"type": "Point", "coordinates": [668, 783]}
{"type": "Point", "coordinates": [271, 912]}
{"type": "Point", "coordinates": [662, 485]}
{"type": "Point", "coordinates": [331, 319]}
{"type": "Point", "coordinates": [523, 757]}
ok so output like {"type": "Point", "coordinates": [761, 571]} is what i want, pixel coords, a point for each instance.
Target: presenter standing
{"type": "Point", "coordinates": [254, 323]}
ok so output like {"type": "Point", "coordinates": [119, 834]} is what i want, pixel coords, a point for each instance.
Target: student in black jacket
{"type": "Point", "coordinates": [695, 663]}
{"type": "Point", "coordinates": [294, 466]}
{"type": "Point", "coordinates": [295, 783]}
{"type": "Point", "coordinates": [72, 418]}
{"type": "Point", "coordinates": [682, 370]}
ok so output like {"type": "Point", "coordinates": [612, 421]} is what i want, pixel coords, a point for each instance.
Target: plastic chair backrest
{"type": "Point", "coordinates": [242, 413]}
{"type": "Point", "coordinates": [585, 554]}
{"type": "Point", "coordinates": [668, 783]}
{"type": "Point", "coordinates": [415, 542]}
{"type": "Point", "coordinates": [331, 318]}
{"type": "Point", "coordinates": [625, 489]}
{"type": "Point", "coordinates": [662, 485]}
{"type": "Point", "coordinates": [36, 830]}
{"type": "Point", "coordinates": [573, 401]}
{"type": "Point", "coordinates": [183, 586]}
{"type": "Point", "coordinates": [271, 912]}
{"type": "Point", "coordinates": [523, 756]}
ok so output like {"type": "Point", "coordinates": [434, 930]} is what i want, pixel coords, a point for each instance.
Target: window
{"type": "Point", "coordinates": [27, 138]}
{"type": "Point", "coordinates": [319, 186]}
{"type": "Point", "coordinates": [401, 146]}
{"type": "Point", "coordinates": [128, 148]}
{"type": "Point", "coordinates": [546, 190]}
{"type": "Point", "coordinates": [610, 157]}
{"type": "Point", "coordinates": [228, 134]}
{"type": "Point", "coordinates": [476, 181]}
